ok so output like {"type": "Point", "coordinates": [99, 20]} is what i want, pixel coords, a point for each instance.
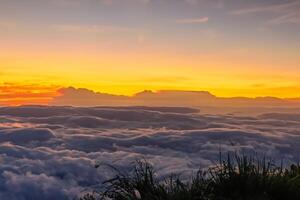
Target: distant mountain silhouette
{"type": "Point", "coordinates": [84, 97]}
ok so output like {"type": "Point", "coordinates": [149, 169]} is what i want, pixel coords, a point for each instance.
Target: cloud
{"type": "Point", "coordinates": [277, 8]}
{"type": "Point", "coordinates": [290, 18]}
{"type": "Point", "coordinates": [214, 3]}
{"type": "Point", "coordinates": [32, 186]}
{"type": "Point", "coordinates": [193, 20]}
{"type": "Point", "coordinates": [287, 12]}
{"type": "Point", "coordinates": [50, 152]}
{"type": "Point", "coordinates": [19, 136]}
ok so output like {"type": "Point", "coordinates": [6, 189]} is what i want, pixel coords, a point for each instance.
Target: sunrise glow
{"type": "Point", "coordinates": [226, 49]}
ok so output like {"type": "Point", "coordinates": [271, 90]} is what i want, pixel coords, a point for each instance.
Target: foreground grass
{"type": "Point", "coordinates": [236, 178]}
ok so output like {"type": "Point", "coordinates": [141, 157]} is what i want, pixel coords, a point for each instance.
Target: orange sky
{"type": "Point", "coordinates": [13, 95]}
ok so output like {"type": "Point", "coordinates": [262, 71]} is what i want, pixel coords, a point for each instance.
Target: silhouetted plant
{"type": "Point", "coordinates": [234, 178]}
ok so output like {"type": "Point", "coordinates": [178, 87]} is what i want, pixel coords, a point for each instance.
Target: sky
{"type": "Point", "coordinates": [227, 47]}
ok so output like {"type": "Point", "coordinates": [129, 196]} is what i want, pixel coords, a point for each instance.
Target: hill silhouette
{"type": "Point", "coordinates": [84, 97]}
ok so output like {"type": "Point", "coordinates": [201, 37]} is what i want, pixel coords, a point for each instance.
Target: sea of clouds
{"type": "Point", "coordinates": [50, 152]}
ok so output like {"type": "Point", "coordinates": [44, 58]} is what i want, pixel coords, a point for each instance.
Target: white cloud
{"type": "Point", "coordinates": [50, 152]}
{"type": "Point", "coordinates": [192, 20]}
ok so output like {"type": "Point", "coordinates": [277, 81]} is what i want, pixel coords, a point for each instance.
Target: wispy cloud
{"type": "Point", "coordinates": [287, 12]}
{"type": "Point", "coordinates": [192, 20]}
{"type": "Point", "coordinates": [213, 3]}
{"type": "Point", "coordinates": [279, 8]}
{"type": "Point", "coordinates": [291, 18]}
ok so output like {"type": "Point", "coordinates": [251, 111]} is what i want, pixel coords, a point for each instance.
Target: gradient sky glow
{"type": "Point", "coordinates": [228, 47]}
